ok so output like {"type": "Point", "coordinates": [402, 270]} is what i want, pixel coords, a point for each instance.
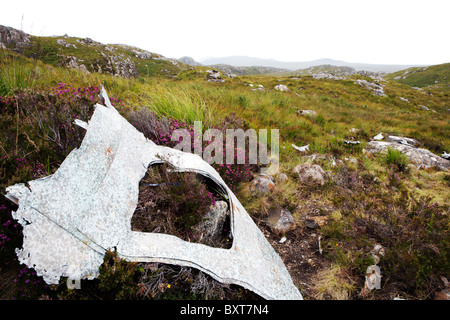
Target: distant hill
{"type": "Point", "coordinates": [437, 76]}
{"type": "Point", "coordinates": [253, 70]}
{"type": "Point", "coordinates": [188, 60]}
{"type": "Point", "coordinates": [241, 61]}
{"type": "Point", "coordinates": [89, 55]}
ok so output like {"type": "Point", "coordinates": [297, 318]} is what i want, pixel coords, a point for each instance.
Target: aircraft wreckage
{"type": "Point", "coordinates": [72, 217]}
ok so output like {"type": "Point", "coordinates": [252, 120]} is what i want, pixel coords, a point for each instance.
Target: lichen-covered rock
{"type": "Point", "coordinates": [263, 184]}
{"type": "Point", "coordinates": [12, 38]}
{"type": "Point", "coordinates": [281, 221]}
{"type": "Point", "coordinates": [310, 172]}
{"type": "Point", "coordinates": [403, 140]}
{"type": "Point", "coordinates": [281, 87]}
{"type": "Point", "coordinates": [310, 113]}
{"type": "Point", "coordinates": [377, 88]}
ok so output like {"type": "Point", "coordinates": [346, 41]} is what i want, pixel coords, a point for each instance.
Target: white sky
{"type": "Point", "coordinates": [381, 31]}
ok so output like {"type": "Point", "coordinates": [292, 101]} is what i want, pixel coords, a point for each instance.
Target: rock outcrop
{"type": "Point", "coordinates": [88, 55]}
{"type": "Point", "coordinates": [13, 39]}
{"type": "Point", "coordinates": [421, 157]}
{"type": "Point", "coordinates": [377, 88]}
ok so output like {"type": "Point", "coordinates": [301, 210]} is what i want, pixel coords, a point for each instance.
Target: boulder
{"type": "Point", "coordinates": [262, 184]}
{"type": "Point", "coordinates": [281, 221]}
{"type": "Point", "coordinates": [309, 171]}
{"type": "Point", "coordinates": [281, 87]}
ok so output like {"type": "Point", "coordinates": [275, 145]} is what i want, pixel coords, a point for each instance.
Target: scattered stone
{"type": "Point", "coordinates": [404, 99]}
{"type": "Point", "coordinates": [74, 63]}
{"type": "Point", "coordinates": [446, 155]}
{"type": "Point", "coordinates": [442, 295]}
{"type": "Point", "coordinates": [424, 108]}
{"type": "Point", "coordinates": [307, 113]}
{"type": "Point", "coordinates": [281, 87]}
{"type": "Point", "coordinates": [301, 149]}
{"type": "Point", "coordinates": [375, 87]}
{"type": "Point", "coordinates": [259, 88]}
{"type": "Point", "coordinates": [282, 177]}
{"type": "Point", "coordinates": [378, 137]}
{"type": "Point", "coordinates": [311, 224]}
{"type": "Point", "coordinates": [214, 76]}
{"type": "Point", "coordinates": [403, 140]}
{"type": "Point", "coordinates": [351, 142]}
{"type": "Point", "coordinates": [309, 171]}
{"type": "Point", "coordinates": [66, 44]}
{"type": "Point", "coordinates": [377, 252]}
{"type": "Point", "coordinates": [263, 184]}
{"type": "Point", "coordinates": [351, 160]}
{"type": "Point", "coordinates": [142, 54]}
{"type": "Point", "coordinates": [326, 75]}
{"type": "Point", "coordinates": [316, 222]}
{"type": "Point", "coordinates": [281, 221]}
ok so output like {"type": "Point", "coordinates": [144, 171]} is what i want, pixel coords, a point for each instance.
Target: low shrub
{"type": "Point", "coordinates": [396, 159]}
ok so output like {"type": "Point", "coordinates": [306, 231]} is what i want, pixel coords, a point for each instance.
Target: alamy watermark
{"type": "Point", "coordinates": [235, 139]}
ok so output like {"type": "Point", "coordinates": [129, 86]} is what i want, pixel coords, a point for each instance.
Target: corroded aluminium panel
{"type": "Point", "coordinates": [72, 217]}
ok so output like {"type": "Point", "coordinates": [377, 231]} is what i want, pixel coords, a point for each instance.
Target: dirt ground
{"type": "Point", "coordinates": [301, 256]}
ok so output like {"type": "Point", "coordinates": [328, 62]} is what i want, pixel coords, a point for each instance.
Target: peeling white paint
{"type": "Point", "coordinates": [71, 218]}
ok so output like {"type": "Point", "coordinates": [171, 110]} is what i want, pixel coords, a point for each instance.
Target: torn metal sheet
{"type": "Point", "coordinates": [71, 218]}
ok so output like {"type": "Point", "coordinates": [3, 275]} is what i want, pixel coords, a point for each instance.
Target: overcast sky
{"type": "Point", "coordinates": [382, 31]}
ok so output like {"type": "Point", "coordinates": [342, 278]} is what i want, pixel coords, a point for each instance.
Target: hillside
{"type": "Point", "coordinates": [89, 55]}
{"type": "Point", "coordinates": [354, 198]}
{"type": "Point", "coordinates": [436, 77]}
